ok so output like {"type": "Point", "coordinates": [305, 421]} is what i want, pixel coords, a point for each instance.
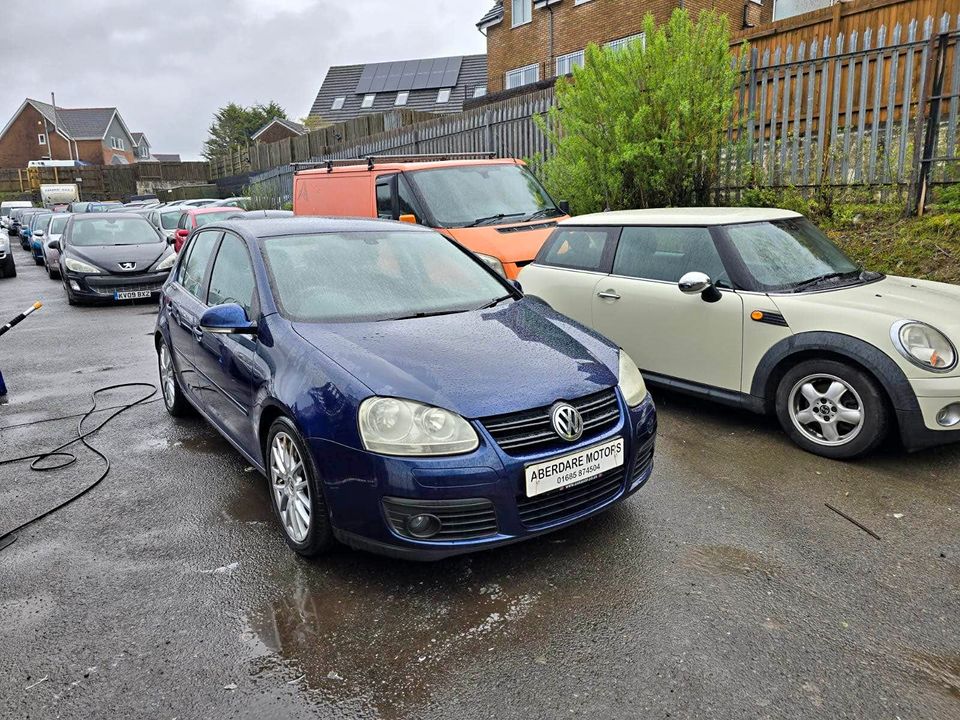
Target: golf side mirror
{"type": "Point", "coordinates": [698, 283]}
{"type": "Point", "coordinates": [227, 319]}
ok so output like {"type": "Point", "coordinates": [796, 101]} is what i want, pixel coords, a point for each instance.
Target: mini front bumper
{"type": "Point", "coordinates": [920, 428]}
{"type": "Point", "coordinates": [356, 484]}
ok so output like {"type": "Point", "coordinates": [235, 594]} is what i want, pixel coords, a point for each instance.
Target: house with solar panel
{"type": "Point", "coordinates": [432, 85]}
{"type": "Point", "coordinates": [40, 131]}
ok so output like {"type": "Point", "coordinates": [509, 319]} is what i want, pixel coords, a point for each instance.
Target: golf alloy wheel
{"type": "Point", "coordinates": [826, 410]}
{"type": "Point", "coordinates": [168, 380]}
{"type": "Point", "coordinates": [291, 491]}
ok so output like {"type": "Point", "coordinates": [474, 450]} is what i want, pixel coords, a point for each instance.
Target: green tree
{"type": "Point", "coordinates": [643, 126]}
{"type": "Point", "coordinates": [233, 125]}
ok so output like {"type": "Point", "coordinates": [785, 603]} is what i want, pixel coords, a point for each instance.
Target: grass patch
{"type": "Point", "coordinates": [878, 237]}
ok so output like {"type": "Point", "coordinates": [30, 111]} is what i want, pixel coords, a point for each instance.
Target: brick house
{"type": "Point", "coordinates": [529, 41]}
{"type": "Point", "coordinates": [278, 129]}
{"type": "Point", "coordinates": [37, 131]}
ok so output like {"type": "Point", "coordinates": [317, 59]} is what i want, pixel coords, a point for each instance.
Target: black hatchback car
{"type": "Point", "coordinates": [112, 257]}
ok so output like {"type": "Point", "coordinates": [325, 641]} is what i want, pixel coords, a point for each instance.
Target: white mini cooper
{"type": "Point", "coordinates": [757, 308]}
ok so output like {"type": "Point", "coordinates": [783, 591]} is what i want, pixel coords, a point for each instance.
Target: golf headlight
{"type": "Point", "coordinates": [924, 345]}
{"type": "Point", "coordinates": [631, 381]}
{"type": "Point", "coordinates": [80, 267]}
{"type": "Point", "coordinates": [402, 427]}
{"type": "Point", "coordinates": [493, 263]}
{"type": "Point", "coordinates": [167, 262]}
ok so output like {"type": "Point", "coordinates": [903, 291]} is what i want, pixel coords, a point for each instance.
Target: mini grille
{"type": "Point", "coordinates": [531, 430]}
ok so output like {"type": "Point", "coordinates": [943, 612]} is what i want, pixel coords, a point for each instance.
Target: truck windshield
{"type": "Point", "coordinates": [474, 195]}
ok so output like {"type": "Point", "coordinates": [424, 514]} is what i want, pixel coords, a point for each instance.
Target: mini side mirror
{"type": "Point", "coordinates": [564, 206]}
{"type": "Point", "coordinates": [54, 245]}
{"type": "Point", "coordinates": [408, 218]}
{"type": "Point", "coordinates": [516, 285]}
{"type": "Point", "coordinates": [181, 233]}
{"type": "Point", "coordinates": [39, 233]}
{"type": "Point", "coordinates": [698, 283]}
{"type": "Point", "coordinates": [228, 319]}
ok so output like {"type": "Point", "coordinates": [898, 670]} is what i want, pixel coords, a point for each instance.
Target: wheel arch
{"type": "Point", "coordinates": [832, 346]}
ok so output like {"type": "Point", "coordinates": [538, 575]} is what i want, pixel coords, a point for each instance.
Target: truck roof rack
{"type": "Point", "coordinates": [371, 160]}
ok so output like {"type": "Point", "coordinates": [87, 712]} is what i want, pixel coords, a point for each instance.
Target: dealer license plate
{"type": "Point", "coordinates": [131, 295]}
{"type": "Point", "coordinates": [575, 468]}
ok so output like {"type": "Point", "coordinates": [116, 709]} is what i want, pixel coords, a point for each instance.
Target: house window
{"type": "Point", "coordinates": [623, 42]}
{"type": "Point", "coordinates": [338, 103]}
{"type": "Point", "coordinates": [480, 91]}
{"type": "Point", "coordinates": [521, 12]}
{"type": "Point", "coordinates": [42, 139]}
{"type": "Point", "coordinates": [522, 76]}
{"type": "Point", "coordinates": [443, 96]}
{"type": "Point", "coordinates": [566, 63]}
{"type": "Point", "coordinates": [368, 100]}
{"type": "Point", "coordinates": [580, 2]}
{"type": "Point", "coordinates": [402, 98]}
{"type": "Point", "coordinates": [120, 145]}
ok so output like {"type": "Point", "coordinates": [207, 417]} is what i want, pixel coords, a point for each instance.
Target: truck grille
{"type": "Point", "coordinates": [568, 501]}
{"type": "Point", "coordinates": [531, 430]}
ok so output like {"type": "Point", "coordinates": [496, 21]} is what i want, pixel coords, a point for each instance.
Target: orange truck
{"type": "Point", "coordinates": [496, 208]}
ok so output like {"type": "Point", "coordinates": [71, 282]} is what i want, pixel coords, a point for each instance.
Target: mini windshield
{"type": "Point", "coordinates": [207, 218]}
{"type": "Point", "coordinates": [787, 254]}
{"type": "Point", "coordinates": [365, 276]}
{"type": "Point", "coordinates": [113, 231]}
{"type": "Point", "coordinates": [472, 195]}
{"type": "Point", "coordinates": [58, 223]}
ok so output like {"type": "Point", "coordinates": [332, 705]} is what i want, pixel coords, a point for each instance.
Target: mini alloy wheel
{"type": "Point", "coordinates": [291, 491]}
{"type": "Point", "coordinates": [826, 409]}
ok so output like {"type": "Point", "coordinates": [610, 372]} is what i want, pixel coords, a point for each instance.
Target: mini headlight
{"type": "Point", "coordinates": [924, 345]}
{"type": "Point", "coordinates": [80, 267]}
{"type": "Point", "coordinates": [167, 262]}
{"type": "Point", "coordinates": [493, 263]}
{"type": "Point", "coordinates": [632, 386]}
{"type": "Point", "coordinates": [402, 427]}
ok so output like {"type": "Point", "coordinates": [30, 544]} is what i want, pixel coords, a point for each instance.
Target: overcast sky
{"type": "Point", "coordinates": [169, 64]}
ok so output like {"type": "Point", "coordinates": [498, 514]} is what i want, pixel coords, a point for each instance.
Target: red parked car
{"type": "Point", "coordinates": [193, 218]}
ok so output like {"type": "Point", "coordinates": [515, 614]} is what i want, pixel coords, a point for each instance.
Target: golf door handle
{"type": "Point", "coordinates": [197, 333]}
{"type": "Point", "coordinates": [608, 295]}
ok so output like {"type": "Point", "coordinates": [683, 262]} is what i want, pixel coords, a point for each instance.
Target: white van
{"type": "Point", "coordinates": [6, 206]}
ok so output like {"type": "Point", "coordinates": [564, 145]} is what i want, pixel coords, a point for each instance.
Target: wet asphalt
{"type": "Point", "coordinates": [724, 589]}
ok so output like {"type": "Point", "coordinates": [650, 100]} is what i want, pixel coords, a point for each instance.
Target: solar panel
{"type": "Point", "coordinates": [409, 75]}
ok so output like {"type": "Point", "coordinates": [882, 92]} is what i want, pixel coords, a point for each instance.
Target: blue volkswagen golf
{"type": "Point", "coordinates": [399, 396]}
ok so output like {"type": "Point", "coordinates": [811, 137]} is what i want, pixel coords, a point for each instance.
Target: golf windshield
{"type": "Point", "coordinates": [112, 231]}
{"type": "Point", "coordinates": [782, 254]}
{"type": "Point", "coordinates": [384, 275]}
{"type": "Point", "coordinates": [58, 223]}
{"type": "Point", "coordinates": [473, 195]}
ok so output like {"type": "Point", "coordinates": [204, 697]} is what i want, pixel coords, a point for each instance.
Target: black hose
{"type": "Point", "coordinates": [65, 459]}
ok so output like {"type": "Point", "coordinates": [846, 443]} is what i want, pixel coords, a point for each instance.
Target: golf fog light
{"type": "Point", "coordinates": [74, 285]}
{"type": "Point", "coordinates": [949, 416]}
{"type": "Point", "coordinates": [423, 526]}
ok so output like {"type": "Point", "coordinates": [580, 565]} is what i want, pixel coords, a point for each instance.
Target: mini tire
{"type": "Point", "coordinates": [832, 409]}
{"type": "Point", "coordinates": [173, 398]}
{"type": "Point", "coordinates": [295, 491]}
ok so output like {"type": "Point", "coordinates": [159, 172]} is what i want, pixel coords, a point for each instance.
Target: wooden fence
{"type": "Point", "coordinates": [875, 108]}
{"type": "Point", "coordinates": [104, 182]}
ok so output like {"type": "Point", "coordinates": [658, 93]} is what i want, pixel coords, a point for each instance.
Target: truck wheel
{"type": "Point", "coordinates": [832, 409]}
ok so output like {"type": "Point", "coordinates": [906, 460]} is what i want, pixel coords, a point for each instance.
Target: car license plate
{"type": "Point", "coordinates": [131, 295]}
{"type": "Point", "coordinates": [575, 468]}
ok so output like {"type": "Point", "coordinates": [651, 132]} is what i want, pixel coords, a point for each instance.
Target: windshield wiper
{"type": "Point", "coordinates": [495, 302]}
{"type": "Point", "coordinates": [545, 213]}
{"type": "Point", "coordinates": [492, 218]}
{"type": "Point", "coordinates": [435, 313]}
{"type": "Point", "coordinates": [800, 287]}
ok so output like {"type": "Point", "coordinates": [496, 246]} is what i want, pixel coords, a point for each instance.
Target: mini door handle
{"type": "Point", "coordinates": [608, 295]}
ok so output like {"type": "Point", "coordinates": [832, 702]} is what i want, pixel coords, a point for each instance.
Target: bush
{"type": "Point", "coordinates": [642, 126]}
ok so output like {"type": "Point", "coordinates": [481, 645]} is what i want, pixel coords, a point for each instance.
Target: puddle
{"type": "Point", "coordinates": [207, 442]}
{"type": "Point", "coordinates": [250, 502]}
{"type": "Point", "coordinates": [942, 671]}
{"type": "Point", "coordinates": [729, 559]}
